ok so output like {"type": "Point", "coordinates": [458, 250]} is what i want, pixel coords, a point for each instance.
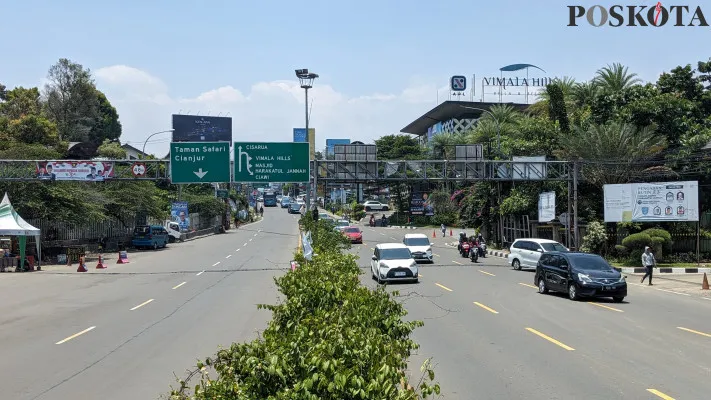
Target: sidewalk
{"type": "Point", "coordinates": [685, 284]}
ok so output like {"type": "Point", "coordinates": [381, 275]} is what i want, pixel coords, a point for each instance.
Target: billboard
{"type": "Point", "coordinates": [89, 171]}
{"type": "Point", "coordinates": [196, 128]}
{"type": "Point", "coordinates": [546, 207]}
{"type": "Point", "coordinates": [300, 137]}
{"type": "Point", "coordinates": [420, 204]}
{"type": "Point", "coordinates": [331, 144]}
{"type": "Point", "coordinates": [652, 202]}
{"type": "Point", "coordinates": [179, 214]}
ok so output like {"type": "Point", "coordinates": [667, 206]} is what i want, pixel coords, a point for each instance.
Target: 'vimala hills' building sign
{"type": "Point", "coordinates": [505, 86]}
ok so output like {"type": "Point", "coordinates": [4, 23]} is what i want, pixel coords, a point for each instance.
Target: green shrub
{"type": "Point", "coordinates": [330, 338]}
{"type": "Point", "coordinates": [595, 238]}
{"type": "Point", "coordinates": [621, 251]}
{"type": "Point", "coordinates": [666, 241]}
{"type": "Point", "coordinates": [637, 241]}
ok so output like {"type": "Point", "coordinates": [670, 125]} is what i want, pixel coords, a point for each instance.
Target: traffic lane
{"type": "Point", "coordinates": [169, 340]}
{"type": "Point", "coordinates": [103, 306]}
{"type": "Point", "coordinates": [605, 334]}
{"type": "Point", "coordinates": [462, 281]}
{"type": "Point", "coordinates": [477, 351]}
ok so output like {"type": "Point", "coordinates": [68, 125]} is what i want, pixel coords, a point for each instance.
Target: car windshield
{"type": "Point", "coordinates": [590, 262]}
{"type": "Point", "coordinates": [395, 254]}
{"type": "Point", "coordinates": [417, 242]}
{"type": "Point", "coordinates": [142, 230]}
{"type": "Point", "coordinates": [553, 247]}
{"type": "Point", "coordinates": [352, 230]}
{"type": "Point", "coordinates": [343, 223]}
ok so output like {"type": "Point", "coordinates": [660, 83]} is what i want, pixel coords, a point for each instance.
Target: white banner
{"type": "Point", "coordinates": [546, 207]}
{"type": "Point", "coordinates": [650, 202]}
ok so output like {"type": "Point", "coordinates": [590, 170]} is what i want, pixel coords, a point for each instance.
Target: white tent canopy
{"type": "Point", "coordinates": [12, 224]}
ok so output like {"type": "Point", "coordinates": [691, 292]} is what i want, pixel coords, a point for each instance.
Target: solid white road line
{"type": "Point", "coordinates": [229, 255]}
{"type": "Point", "coordinates": [216, 264]}
{"type": "Point", "coordinates": [199, 273]}
{"type": "Point", "coordinates": [177, 286]}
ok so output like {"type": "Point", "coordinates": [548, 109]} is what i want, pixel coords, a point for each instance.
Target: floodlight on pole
{"type": "Point", "coordinates": [306, 81]}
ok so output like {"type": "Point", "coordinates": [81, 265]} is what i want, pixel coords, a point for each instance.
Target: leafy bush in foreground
{"type": "Point", "coordinates": [331, 338]}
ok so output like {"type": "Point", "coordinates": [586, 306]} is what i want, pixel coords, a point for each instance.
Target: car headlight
{"type": "Point", "coordinates": [622, 279]}
{"type": "Point", "coordinates": [584, 278]}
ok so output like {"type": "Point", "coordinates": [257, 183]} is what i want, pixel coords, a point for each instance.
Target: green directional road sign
{"type": "Point", "coordinates": [271, 162]}
{"type": "Point", "coordinates": [199, 162]}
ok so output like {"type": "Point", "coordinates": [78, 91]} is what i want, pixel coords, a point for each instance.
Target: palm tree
{"type": "Point", "coordinates": [567, 85]}
{"type": "Point", "coordinates": [614, 152]}
{"type": "Point", "coordinates": [616, 77]}
{"type": "Point", "coordinates": [443, 145]}
{"type": "Point", "coordinates": [584, 93]}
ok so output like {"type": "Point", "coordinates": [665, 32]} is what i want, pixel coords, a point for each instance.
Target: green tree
{"type": "Point", "coordinates": [72, 100]}
{"type": "Point", "coordinates": [112, 150]}
{"type": "Point", "coordinates": [106, 125]}
{"type": "Point", "coordinates": [33, 129]}
{"type": "Point", "coordinates": [557, 111]}
{"type": "Point", "coordinates": [616, 77]}
{"type": "Point", "coordinates": [399, 147]}
{"type": "Point", "coordinates": [443, 145]}
{"type": "Point", "coordinates": [20, 102]}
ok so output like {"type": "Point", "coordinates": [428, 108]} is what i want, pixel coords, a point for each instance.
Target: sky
{"type": "Point", "coordinates": [382, 64]}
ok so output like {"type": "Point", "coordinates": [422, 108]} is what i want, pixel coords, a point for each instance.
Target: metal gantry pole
{"type": "Point", "coordinates": [575, 205]}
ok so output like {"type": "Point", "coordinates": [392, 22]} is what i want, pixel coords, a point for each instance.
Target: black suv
{"type": "Point", "coordinates": [580, 275]}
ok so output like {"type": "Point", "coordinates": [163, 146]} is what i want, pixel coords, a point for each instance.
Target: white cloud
{"type": "Point", "coordinates": [268, 112]}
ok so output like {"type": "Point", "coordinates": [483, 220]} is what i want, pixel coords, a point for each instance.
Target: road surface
{"type": "Point", "coordinates": [127, 331]}
{"type": "Point", "coordinates": [492, 336]}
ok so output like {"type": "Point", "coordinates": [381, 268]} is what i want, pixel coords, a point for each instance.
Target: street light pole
{"type": "Point", "coordinates": [143, 152]}
{"type": "Point", "coordinates": [306, 80]}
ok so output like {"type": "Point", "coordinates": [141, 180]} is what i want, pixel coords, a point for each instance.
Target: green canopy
{"type": "Point", "coordinates": [12, 224]}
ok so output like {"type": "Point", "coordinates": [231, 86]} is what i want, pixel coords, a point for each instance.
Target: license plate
{"type": "Point", "coordinates": [608, 288]}
{"type": "Point", "coordinates": [399, 274]}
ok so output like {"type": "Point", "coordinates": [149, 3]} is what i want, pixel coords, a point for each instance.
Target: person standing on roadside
{"type": "Point", "coordinates": [444, 230]}
{"type": "Point", "coordinates": [648, 262]}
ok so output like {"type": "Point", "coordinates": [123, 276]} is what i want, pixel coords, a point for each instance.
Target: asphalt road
{"type": "Point", "coordinates": [127, 331]}
{"type": "Point", "coordinates": [492, 336]}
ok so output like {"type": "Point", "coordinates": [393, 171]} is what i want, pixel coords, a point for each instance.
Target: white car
{"type": "Point", "coordinates": [393, 262]}
{"type": "Point", "coordinates": [419, 245]}
{"type": "Point", "coordinates": [371, 205]}
{"type": "Point", "coordinates": [525, 253]}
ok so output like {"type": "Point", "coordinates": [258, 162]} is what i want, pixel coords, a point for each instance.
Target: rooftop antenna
{"type": "Point", "coordinates": [188, 113]}
{"type": "Point", "coordinates": [181, 110]}
{"type": "Point", "coordinates": [198, 113]}
{"type": "Point", "coordinates": [228, 113]}
{"type": "Point", "coordinates": [220, 113]}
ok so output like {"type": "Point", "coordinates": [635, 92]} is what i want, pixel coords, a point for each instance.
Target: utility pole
{"type": "Point", "coordinates": [570, 212]}
{"type": "Point", "coordinates": [575, 205]}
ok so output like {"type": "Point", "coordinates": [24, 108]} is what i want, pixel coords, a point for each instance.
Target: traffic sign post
{"type": "Point", "coordinates": [199, 162]}
{"type": "Point", "coordinates": [271, 162]}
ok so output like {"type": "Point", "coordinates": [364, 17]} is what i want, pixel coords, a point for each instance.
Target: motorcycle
{"type": "Point", "coordinates": [474, 254]}
{"type": "Point", "coordinates": [465, 249]}
{"type": "Point", "coordinates": [482, 249]}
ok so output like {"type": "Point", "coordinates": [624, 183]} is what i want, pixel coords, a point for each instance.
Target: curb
{"type": "Point", "coordinates": [401, 227]}
{"type": "Point", "coordinates": [498, 253]}
{"type": "Point", "coordinates": [630, 270]}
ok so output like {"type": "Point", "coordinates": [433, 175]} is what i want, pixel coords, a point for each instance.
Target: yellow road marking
{"type": "Point", "coordinates": [141, 305]}
{"type": "Point", "coordinates": [456, 262]}
{"type": "Point", "coordinates": [444, 287]}
{"type": "Point", "coordinates": [491, 310]}
{"type": "Point", "coordinates": [75, 335]}
{"type": "Point", "coordinates": [488, 273]}
{"type": "Point", "coordinates": [177, 286]}
{"type": "Point", "coordinates": [660, 394]}
{"type": "Point", "coordinates": [436, 255]}
{"type": "Point", "coordinates": [526, 284]}
{"type": "Point", "coordinates": [693, 331]}
{"type": "Point", "coordinates": [550, 339]}
{"type": "Point", "coordinates": [604, 306]}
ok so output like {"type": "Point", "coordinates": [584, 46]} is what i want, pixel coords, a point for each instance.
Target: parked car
{"type": "Point", "coordinates": [371, 205]}
{"type": "Point", "coordinates": [353, 233]}
{"type": "Point", "coordinates": [149, 236]}
{"type": "Point", "coordinates": [579, 275]}
{"type": "Point", "coordinates": [393, 262]}
{"type": "Point", "coordinates": [525, 253]}
{"type": "Point", "coordinates": [419, 246]}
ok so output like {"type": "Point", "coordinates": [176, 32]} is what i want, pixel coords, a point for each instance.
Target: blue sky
{"type": "Point", "coordinates": [376, 59]}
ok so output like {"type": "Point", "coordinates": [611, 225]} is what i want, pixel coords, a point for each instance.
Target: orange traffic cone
{"type": "Point", "coordinates": [82, 265]}
{"type": "Point", "coordinates": [434, 234]}
{"type": "Point", "coordinates": [100, 264]}
{"type": "Point", "coordinates": [450, 232]}
{"type": "Point", "coordinates": [123, 258]}
{"type": "Point", "coordinates": [705, 283]}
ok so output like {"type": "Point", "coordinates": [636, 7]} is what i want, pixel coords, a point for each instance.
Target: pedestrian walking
{"type": "Point", "coordinates": [648, 262]}
{"type": "Point", "coordinates": [444, 230]}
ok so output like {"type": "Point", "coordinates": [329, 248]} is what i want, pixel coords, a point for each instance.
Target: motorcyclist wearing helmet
{"type": "Point", "coordinates": [462, 239]}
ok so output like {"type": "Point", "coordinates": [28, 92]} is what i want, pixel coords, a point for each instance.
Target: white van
{"type": "Point", "coordinates": [173, 231]}
{"type": "Point", "coordinates": [525, 253]}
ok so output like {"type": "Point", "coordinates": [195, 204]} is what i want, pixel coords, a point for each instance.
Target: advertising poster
{"type": "Point", "coordinates": [651, 202]}
{"type": "Point", "coordinates": [300, 136]}
{"type": "Point", "coordinates": [420, 204]}
{"type": "Point", "coordinates": [546, 207]}
{"type": "Point", "coordinates": [89, 171]}
{"type": "Point", "coordinates": [179, 214]}
{"type": "Point", "coordinates": [196, 128]}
